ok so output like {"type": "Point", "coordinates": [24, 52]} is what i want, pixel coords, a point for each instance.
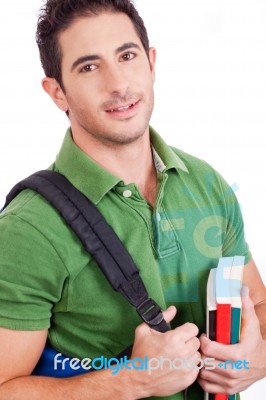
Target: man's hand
{"type": "Point", "coordinates": [178, 343]}
{"type": "Point", "coordinates": [251, 348]}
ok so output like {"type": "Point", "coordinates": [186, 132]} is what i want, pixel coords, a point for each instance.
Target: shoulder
{"type": "Point", "coordinates": [198, 168]}
{"type": "Point", "coordinates": [204, 180]}
{"type": "Point", "coordinates": [31, 222]}
{"type": "Point", "coordinates": [193, 164]}
{"type": "Point", "coordinates": [34, 210]}
{"type": "Point", "coordinates": [31, 208]}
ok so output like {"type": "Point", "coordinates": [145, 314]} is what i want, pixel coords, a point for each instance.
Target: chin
{"type": "Point", "coordinates": [123, 136]}
{"type": "Point", "coordinates": [129, 137]}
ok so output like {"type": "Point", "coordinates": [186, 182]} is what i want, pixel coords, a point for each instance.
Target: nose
{"type": "Point", "coordinates": [115, 79]}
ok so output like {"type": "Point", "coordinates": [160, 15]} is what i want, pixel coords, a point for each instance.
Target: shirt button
{"type": "Point", "coordinates": [127, 193]}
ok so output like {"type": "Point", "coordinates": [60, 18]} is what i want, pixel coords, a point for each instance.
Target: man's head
{"type": "Point", "coordinates": [99, 67]}
{"type": "Point", "coordinates": [57, 15]}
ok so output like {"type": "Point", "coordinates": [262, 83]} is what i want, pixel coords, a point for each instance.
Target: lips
{"type": "Point", "coordinates": [122, 108]}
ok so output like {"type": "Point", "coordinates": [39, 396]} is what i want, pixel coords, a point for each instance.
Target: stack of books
{"type": "Point", "coordinates": [224, 306]}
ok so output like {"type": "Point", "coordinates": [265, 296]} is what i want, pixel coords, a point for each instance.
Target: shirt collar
{"type": "Point", "coordinates": [83, 172]}
{"type": "Point", "coordinates": [164, 155]}
{"type": "Point", "coordinates": [93, 180]}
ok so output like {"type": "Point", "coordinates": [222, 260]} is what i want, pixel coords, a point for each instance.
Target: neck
{"type": "Point", "coordinates": [131, 162]}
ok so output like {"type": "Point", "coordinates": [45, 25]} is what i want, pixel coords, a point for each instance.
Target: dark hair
{"type": "Point", "coordinates": [57, 15]}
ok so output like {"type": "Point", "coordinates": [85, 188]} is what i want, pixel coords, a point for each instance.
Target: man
{"type": "Point", "coordinates": [161, 203]}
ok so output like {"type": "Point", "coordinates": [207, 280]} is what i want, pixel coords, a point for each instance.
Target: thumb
{"type": "Point", "coordinates": [249, 319]}
{"type": "Point", "coordinates": [169, 314]}
{"type": "Point", "coordinates": [144, 329]}
{"type": "Point", "coordinates": [247, 303]}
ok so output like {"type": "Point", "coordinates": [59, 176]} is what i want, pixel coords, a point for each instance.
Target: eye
{"type": "Point", "coordinates": [88, 68]}
{"type": "Point", "coordinates": [128, 56]}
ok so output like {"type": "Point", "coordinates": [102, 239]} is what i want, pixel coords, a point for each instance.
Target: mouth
{"type": "Point", "coordinates": [123, 109]}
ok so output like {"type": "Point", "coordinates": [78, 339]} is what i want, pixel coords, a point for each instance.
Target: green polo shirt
{"type": "Point", "coordinates": [48, 280]}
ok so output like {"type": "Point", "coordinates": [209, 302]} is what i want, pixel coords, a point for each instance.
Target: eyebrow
{"type": "Point", "coordinates": [127, 46]}
{"type": "Point", "coordinates": [94, 57]}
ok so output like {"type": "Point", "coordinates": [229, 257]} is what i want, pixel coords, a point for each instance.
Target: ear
{"type": "Point", "coordinates": [52, 87]}
{"type": "Point", "coordinates": [152, 58]}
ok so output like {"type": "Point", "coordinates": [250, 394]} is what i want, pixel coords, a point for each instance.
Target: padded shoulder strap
{"type": "Point", "coordinates": [98, 238]}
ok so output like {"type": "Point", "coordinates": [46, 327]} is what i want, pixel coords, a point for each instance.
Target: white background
{"type": "Point", "coordinates": [210, 97]}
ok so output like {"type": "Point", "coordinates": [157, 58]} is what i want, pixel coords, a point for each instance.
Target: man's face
{"type": "Point", "coordinates": [108, 78]}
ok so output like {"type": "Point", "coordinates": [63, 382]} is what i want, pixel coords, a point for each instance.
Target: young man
{"type": "Point", "coordinates": [162, 203]}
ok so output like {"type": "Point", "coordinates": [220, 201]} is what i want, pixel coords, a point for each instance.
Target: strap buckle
{"type": "Point", "coordinates": [150, 312]}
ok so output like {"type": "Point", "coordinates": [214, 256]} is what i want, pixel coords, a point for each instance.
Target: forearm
{"type": "Point", "coordinates": [100, 385]}
{"type": "Point", "coordinates": [260, 309]}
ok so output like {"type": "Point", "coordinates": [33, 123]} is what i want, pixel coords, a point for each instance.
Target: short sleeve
{"type": "Point", "coordinates": [32, 275]}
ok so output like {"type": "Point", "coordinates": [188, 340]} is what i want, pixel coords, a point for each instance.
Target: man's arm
{"type": "Point", "coordinates": [19, 352]}
{"type": "Point", "coordinates": [260, 309]}
{"type": "Point", "coordinates": [252, 346]}
{"type": "Point", "coordinates": [257, 290]}
{"type": "Point", "coordinates": [26, 348]}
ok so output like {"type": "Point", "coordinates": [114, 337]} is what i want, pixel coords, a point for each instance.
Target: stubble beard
{"type": "Point", "coordinates": [120, 136]}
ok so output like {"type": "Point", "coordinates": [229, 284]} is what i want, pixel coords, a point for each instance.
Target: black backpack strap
{"type": "Point", "coordinates": [98, 239]}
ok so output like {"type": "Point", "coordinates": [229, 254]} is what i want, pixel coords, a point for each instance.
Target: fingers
{"type": "Point", "coordinates": [229, 377]}
{"type": "Point", "coordinates": [217, 370]}
{"type": "Point", "coordinates": [174, 357]}
{"type": "Point", "coordinates": [192, 347]}
{"type": "Point", "coordinates": [211, 387]}
{"type": "Point", "coordinates": [181, 341]}
{"type": "Point", "coordinates": [219, 351]}
{"type": "Point", "coordinates": [214, 382]}
{"type": "Point", "coordinates": [187, 331]}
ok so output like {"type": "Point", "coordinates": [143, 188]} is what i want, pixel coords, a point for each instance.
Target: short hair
{"type": "Point", "coordinates": [57, 15]}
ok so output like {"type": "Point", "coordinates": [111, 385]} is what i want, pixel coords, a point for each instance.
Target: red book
{"type": "Point", "coordinates": [223, 313]}
{"type": "Point", "coordinates": [223, 323]}
{"type": "Point", "coordinates": [223, 332]}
